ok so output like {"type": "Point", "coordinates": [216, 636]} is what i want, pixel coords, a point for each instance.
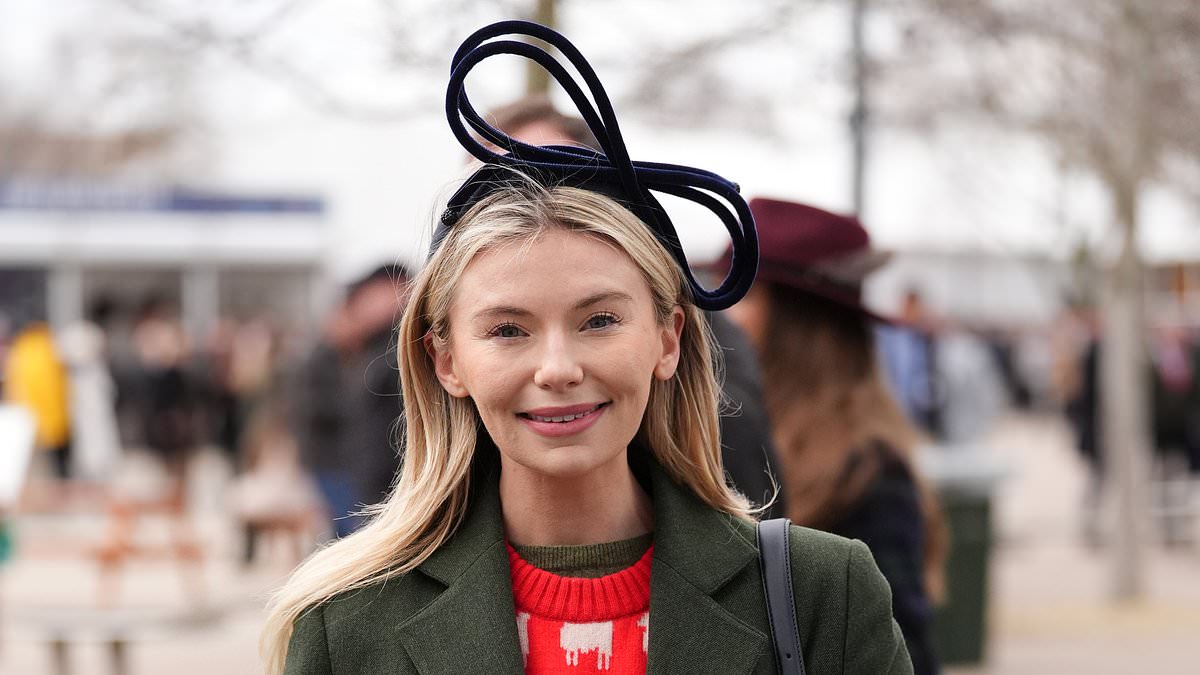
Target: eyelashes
{"type": "Point", "coordinates": [609, 317]}
{"type": "Point", "coordinates": [499, 331]}
{"type": "Point", "coordinates": [596, 322]}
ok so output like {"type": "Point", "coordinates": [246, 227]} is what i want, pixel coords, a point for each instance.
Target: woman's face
{"type": "Point", "coordinates": [557, 344]}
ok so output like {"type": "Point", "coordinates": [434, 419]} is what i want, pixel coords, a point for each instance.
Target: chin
{"type": "Point", "coordinates": [567, 462]}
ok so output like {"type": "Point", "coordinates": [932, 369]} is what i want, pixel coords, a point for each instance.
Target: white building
{"type": "Point", "coordinates": [212, 253]}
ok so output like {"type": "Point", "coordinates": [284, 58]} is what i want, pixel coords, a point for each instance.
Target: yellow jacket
{"type": "Point", "coordinates": [35, 378]}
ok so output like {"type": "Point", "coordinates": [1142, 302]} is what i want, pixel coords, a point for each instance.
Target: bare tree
{"type": "Point", "coordinates": [412, 38]}
{"type": "Point", "coordinates": [108, 101]}
{"type": "Point", "coordinates": [1113, 88]}
{"type": "Point", "coordinates": [144, 60]}
{"type": "Point", "coordinates": [682, 82]}
{"type": "Point", "coordinates": [689, 84]}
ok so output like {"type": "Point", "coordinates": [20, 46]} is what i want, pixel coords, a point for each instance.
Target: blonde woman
{"type": "Point", "coordinates": [562, 506]}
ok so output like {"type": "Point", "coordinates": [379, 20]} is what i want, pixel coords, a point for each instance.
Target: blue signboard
{"type": "Point", "coordinates": [79, 196]}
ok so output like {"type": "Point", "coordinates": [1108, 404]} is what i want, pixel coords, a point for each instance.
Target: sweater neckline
{"type": "Point", "coordinates": [586, 560]}
{"type": "Point", "coordinates": [577, 599]}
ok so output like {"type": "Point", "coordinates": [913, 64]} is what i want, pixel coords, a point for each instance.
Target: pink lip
{"type": "Point", "coordinates": [560, 429]}
{"type": "Point", "coordinates": [562, 411]}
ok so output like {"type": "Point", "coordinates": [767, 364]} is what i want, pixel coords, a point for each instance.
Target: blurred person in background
{"type": "Point", "coordinates": [349, 409]}
{"type": "Point", "coordinates": [320, 415]}
{"type": "Point", "coordinates": [6, 336]}
{"type": "Point", "coordinates": [971, 385]}
{"type": "Point", "coordinates": [239, 371]}
{"type": "Point", "coordinates": [1175, 405]}
{"type": "Point", "coordinates": [167, 401]}
{"type": "Point", "coordinates": [1076, 385]}
{"type": "Point", "coordinates": [36, 379]}
{"type": "Point", "coordinates": [846, 447]}
{"type": "Point", "coordinates": [1175, 358]}
{"type": "Point", "coordinates": [377, 410]}
{"type": "Point", "coordinates": [250, 379]}
{"type": "Point", "coordinates": [748, 452]}
{"type": "Point", "coordinates": [909, 356]}
{"type": "Point", "coordinates": [272, 493]}
{"type": "Point", "coordinates": [223, 413]}
{"type": "Point", "coordinates": [96, 442]}
{"type": "Point", "coordinates": [1004, 347]}
{"type": "Point", "coordinates": [161, 405]}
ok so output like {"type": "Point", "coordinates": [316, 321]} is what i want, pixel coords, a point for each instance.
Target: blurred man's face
{"type": "Point", "coordinates": [340, 330]}
{"type": "Point", "coordinates": [377, 306]}
{"type": "Point", "coordinates": [913, 307]}
{"type": "Point", "coordinates": [542, 132]}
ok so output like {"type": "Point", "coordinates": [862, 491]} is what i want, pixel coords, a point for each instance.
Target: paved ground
{"type": "Point", "coordinates": [1049, 609]}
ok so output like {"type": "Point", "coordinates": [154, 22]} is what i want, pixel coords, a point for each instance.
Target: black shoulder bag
{"type": "Point", "coordinates": [781, 604]}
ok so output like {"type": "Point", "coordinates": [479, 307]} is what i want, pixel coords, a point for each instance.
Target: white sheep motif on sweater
{"type": "Point", "coordinates": [585, 637]}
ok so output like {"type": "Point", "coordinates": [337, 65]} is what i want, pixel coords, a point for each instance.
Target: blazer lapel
{"type": "Point", "coordinates": [696, 553]}
{"type": "Point", "coordinates": [470, 627]}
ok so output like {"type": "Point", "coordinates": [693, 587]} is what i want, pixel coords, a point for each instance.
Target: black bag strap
{"type": "Point", "coordinates": [781, 605]}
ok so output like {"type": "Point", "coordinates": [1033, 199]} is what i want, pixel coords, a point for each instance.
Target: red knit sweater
{"type": "Point", "coordinates": [574, 626]}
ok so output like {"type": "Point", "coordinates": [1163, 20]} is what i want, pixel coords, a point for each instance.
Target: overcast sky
{"type": "Point", "coordinates": [964, 188]}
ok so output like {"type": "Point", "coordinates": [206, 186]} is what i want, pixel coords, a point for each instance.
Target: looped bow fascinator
{"type": "Point", "coordinates": [610, 172]}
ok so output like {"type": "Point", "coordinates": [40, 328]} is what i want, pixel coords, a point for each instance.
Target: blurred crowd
{"type": "Point", "coordinates": [1172, 379]}
{"type": "Point", "coordinates": [124, 400]}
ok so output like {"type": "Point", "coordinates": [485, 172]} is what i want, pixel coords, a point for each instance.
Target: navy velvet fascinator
{"type": "Point", "coordinates": [610, 172]}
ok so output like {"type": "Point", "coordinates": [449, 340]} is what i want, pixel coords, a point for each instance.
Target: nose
{"type": "Point", "coordinates": [558, 367]}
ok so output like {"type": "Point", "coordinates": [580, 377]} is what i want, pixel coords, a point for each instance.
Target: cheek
{"type": "Point", "coordinates": [490, 379]}
{"type": "Point", "coordinates": [496, 398]}
{"type": "Point", "coordinates": [632, 368]}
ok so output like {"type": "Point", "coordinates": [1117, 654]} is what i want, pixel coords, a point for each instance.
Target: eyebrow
{"type": "Point", "coordinates": [510, 310]}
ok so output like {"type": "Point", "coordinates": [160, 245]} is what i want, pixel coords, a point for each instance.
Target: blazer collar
{"type": "Point", "coordinates": [697, 551]}
{"type": "Point", "coordinates": [471, 626]}
{"type": "Point", "coordinates": [698, 542]}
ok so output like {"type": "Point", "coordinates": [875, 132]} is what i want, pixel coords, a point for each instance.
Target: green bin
{"type": "Point", "coordinates": [960, 623]}
{"type": "Point", "coordinates": [966, 478]}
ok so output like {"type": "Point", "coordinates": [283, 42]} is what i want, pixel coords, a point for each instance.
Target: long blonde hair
{"type": "Point", "coordinates": [430, 495]}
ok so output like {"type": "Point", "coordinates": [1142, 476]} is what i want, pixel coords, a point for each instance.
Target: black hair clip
{"type": "Point", "coordinates": [611, 172]}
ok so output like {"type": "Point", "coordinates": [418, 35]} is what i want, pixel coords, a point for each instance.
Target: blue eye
{"type": "Point", "coordinates": [506, 330]}
{"type": "Point", "coordinates": [602, 321]}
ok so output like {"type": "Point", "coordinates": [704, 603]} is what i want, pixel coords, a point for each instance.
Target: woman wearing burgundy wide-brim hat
{"type": "Point", "coordinates": [844, 444]}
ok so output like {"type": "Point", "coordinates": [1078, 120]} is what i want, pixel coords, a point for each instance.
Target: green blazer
{"type": "Point", "coordinates": [454, 614]}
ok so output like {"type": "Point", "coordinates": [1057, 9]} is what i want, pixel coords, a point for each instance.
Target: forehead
{"type": "Point", "coordinates": [542, 132]}
{"type": "Point", "coordinates": [557, 266]}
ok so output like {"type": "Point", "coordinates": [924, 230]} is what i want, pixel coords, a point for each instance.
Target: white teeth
{"type": "Point", "coordinates": [564, 418]}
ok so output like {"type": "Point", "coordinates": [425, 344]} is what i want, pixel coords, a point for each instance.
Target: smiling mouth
{"type": "Point", "coordinates": [562, 419]}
